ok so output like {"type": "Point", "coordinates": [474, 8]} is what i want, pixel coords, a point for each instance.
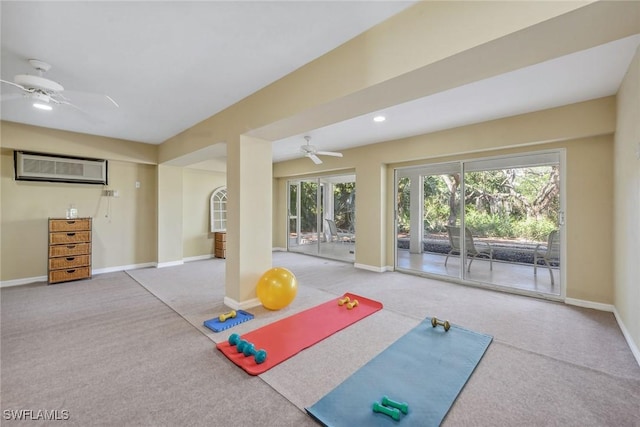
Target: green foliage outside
{"type": "Point", "coordinates": [504, 203]}
{"type": "Point", "coordinates": [343, 199]}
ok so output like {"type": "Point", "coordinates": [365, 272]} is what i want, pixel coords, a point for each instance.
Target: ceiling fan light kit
{"type": "Point", "coordinates": [43, 90]}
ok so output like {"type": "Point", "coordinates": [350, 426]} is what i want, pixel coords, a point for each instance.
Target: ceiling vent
{"type": "Point", "coordinates": [52, 168]}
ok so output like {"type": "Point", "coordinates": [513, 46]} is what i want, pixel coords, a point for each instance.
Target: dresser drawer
{"type": "Point", "coordinates": [69, 224]}
{"type": "Point", "coordinates": [69, 237]}
{"type": "Point", "coordinates": [69, 274]}
{"type": "Point", "coordinates": [220, 253]}
{"type": "Point", "coordinates": [69, 250]}
{"type": "Point", "coordinates": [69, 262]}
{"type": "Point", "coordinates": [220, 237]}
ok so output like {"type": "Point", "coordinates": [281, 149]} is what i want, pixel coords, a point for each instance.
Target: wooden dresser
{"type": "Point", "coordinates": [69, 249]}
{"type": "Point", "coordinates": [220, 248]}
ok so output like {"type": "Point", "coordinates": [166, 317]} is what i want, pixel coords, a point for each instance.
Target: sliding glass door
{"type": "Point", "coordinates": [321, 216]}
{"type": "Point", "coordinates": [508, 226]}
{"type": "Point", "coordinates": [304, 203]}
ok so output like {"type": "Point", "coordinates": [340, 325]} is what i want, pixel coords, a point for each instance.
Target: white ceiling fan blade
{"type": "Point", "coordinates": [96, 100]}
{"type": "Point", "coordinates": [329, 153]}
{"type": "Point", "coordinates": [17, 85]}
{"type": "Point", "coordinates": [315, 158]}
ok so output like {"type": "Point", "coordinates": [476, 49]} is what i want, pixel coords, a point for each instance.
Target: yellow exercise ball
{"type": "Point", "coordinates": [277, 288]}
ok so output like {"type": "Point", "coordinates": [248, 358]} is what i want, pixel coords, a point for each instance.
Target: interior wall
{"type": "Point", "coordinates": [43, 140]}
{"type": "Point", "coordinates": [627, 203]}
{"type": "Point", "coordinates": [170, 221]}
{"type": "Point", "coordinates": [123, 226]}
{"type": "Point", "coordinates": [198, 185]}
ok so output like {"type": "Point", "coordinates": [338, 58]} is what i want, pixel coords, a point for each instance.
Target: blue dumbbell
{"type": "Point", "coordinates": [250, 350]}
{"type": "Point", "coordinates": [234, 339]}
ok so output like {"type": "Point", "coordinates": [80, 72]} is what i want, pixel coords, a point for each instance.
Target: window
{"type": "Point", "coordinates": [218, 205]}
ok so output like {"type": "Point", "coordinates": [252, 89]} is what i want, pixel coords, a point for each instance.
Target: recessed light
{"type": "Point", "coordinates": [42, 106]}
{"type": "Point", "coordinates": [379, 119]}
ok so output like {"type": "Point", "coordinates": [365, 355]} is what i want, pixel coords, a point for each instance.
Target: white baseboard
{"type": "Point", "coordinates": [231, 303]}
{"type": "Point", "coordinates": [25, 281]}
{"type": "Point", "coordinates": [198, 258]}
{"type": "Point", "coordinates": [28, 280]}
{"type": "Point", "coordinates": [627, 336]}
{"type": "Point", "coordinates": [589, 304]}
{"type": "Point", "coordinates": [122, 268]}
{"type": "Point", "coordinates": [373, 268]}
{"type": "Point", "coordinates": [169, 264]}
{"type": "Point", "coordinates": [612, 309]}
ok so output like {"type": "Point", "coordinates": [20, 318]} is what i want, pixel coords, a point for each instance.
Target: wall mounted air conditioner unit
{"type": "Point", "coordinates": [48, 167]}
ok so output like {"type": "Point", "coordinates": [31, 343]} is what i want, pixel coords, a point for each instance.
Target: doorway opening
{"type": "Point", "coordinates": [321, 216]}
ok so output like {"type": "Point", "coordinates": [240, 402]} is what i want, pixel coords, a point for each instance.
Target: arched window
{"type": "Point", "coordinates": [219, 209]}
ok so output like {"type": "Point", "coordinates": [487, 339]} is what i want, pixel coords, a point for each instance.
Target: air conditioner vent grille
{"type": "Point", "coordinates": [41, 167]}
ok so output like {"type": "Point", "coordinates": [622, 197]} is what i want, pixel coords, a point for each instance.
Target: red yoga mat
{"type": "Point", "coordinates": [289, 336]}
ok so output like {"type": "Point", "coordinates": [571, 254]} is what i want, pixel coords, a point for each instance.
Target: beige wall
{"type": "Point", "coordinates": [627, 203]}
{"type": "Point", "coordinates": [198, 185]}
{"type": "Point", "coordinates": [123, 227]}
{"type": "Point", "coordinates": [42, 140]}
{"type": "Point", "coordinates": [584, 130]}
{"type": "Point", "coordinates": [127, 236]}
{"type": "Point", "coordinates": [170, 221]}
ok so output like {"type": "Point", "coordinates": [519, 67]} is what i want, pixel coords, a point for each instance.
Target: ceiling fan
{"type": "Point", "coordinates": [41, 90]}
{"type": "Point", "coordinates": [312, 152]}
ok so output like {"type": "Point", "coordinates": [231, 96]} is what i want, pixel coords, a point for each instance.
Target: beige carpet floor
{"type": "Point", "coordinates": [114, 351]}
{"type": "Point", "coordinates": [549, 364]}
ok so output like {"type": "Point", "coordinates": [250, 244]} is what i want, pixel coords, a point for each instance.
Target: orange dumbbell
{"type": "Point", "coordinates": [344, 300]}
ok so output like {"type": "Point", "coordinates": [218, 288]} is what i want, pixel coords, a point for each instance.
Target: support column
{"type": "Point", "coordinates": [249, 218]}
{"type": "Point", "coordinates": [169, 216]}
{"type": "Point", "coordinates": [370, 216]}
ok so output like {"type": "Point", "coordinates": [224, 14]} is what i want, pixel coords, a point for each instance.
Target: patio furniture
{"type": "Point", "coordinates": [336, 234]}
{"type": "Point", "coordinates": [549, 254]}
{"type": "Point", "coordinates": [484, 249]}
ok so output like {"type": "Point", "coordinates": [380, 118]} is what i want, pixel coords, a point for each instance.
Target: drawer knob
{"type": "Point", "coordinates": [71, 258]}
{"type": "Point", "coordinates": [71, 246]}
{"type": "Point", "coordinates": [71, 222]}
{"type": "Point", "coordinates": [71, 234]}
{"type": "Point", "coordinates": [71, 271]}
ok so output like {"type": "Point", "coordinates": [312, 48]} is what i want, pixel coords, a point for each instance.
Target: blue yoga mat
{"type": "Point", "coordinates": [426, 368]}
{"type": "Point", "coordinates": [217, 326]}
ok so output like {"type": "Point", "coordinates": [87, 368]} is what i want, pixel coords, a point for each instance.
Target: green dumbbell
{"type": "Point", "coordinates": [250, 350]}
{"type": "Point", "coordinates": [402, 406]}
{"type": "Point", "coordinates": [392, 412]}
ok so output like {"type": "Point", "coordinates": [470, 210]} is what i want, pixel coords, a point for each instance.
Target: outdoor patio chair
{"type": "Point", "coordinates": [474, 249]}
{"type": "Point", "coordinates": [336, 234]}
{"type": "Point", "coordinates": [549, 254]}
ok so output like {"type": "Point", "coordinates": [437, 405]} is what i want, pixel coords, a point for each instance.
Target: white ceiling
{"type": "Point", "coordinates": [581, 76]}
{"type": "Point", "coordinates": [171, 65]}
{"type": "Point", "coordinates": [168, 64]}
